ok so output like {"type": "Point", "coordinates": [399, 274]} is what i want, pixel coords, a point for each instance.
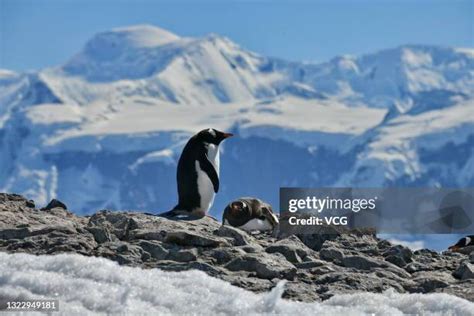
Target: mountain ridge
{"type": "Point", "coordinates": [388, 118]}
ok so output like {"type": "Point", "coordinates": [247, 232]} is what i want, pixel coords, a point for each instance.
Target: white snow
{"type": "Point", "coordinates": [165, 156]}
{"type": "Point", "coordinates": [395, 146]}
{"type": "Point", "coordinates": [281, 116]}
{"type": "Point", "coordinates": [467, 51]}
{"type": "Point", "coordinates": [145, 35]}
{"type": "Point", "coordinates": [47, 114]}
{"type": "Point", "coordinates": [7, 74]}
{"type": "Point", "coordinates": [86, 285]}
{"type": "Point", "coordinates": [412, 244]}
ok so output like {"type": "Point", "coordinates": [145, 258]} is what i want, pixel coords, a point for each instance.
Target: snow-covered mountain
{"type": "Point", "coordinates": [105, 129]}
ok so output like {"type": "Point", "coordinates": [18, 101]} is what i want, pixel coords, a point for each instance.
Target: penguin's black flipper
{"type": "Point", "coordinates": [208, 168]}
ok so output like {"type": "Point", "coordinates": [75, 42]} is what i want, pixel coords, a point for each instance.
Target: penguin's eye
{"type": "Point", "coordinates": [237, 205]}
{"type": "Point", "coordinates": [262, 218]}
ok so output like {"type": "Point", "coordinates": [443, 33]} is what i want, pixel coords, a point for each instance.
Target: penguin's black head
{"type": "Point", "coordinates": [239, 207]}
{"type": "Point", "coordinates": [463, 242]}
{"type": "Point", "coordinates": [212, 136]}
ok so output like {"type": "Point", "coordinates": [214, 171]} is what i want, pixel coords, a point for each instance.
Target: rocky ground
{"type": "Point", "coordinates": [316, 266]}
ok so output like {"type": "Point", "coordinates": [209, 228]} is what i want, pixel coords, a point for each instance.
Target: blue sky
{"type": "Point", "coordinates": [36, 34]}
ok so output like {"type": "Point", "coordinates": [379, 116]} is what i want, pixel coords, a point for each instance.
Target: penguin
{"type": "Point", "coordinates": [464, 245]}
{"type": "Point", "coordinates": [198, 174]}
{"type": "Point", "coordinates": [250, 214]}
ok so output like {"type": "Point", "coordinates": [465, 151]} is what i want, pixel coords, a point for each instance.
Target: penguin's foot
{"type": "Point", "coordinates": [179, 215]}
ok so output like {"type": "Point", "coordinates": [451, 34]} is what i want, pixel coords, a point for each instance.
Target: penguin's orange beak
{"type": "Point", "coordinates": [227, 135]}
{"type": "Point", "coordinates": [454, 248]}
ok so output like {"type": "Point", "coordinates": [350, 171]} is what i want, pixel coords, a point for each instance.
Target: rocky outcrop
{"type": "Point", "coordinates": [315, 267]}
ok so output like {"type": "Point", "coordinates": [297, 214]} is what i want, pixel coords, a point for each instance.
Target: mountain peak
{"type": "Point", "coordinates": [113, 43]}
{"type": "Point", "coordinates": [142, 35]}
{"type": "Point", "coordinates": [127, 52]}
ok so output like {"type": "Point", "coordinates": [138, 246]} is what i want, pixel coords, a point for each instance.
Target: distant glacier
{"type": "Point", "coordinates": [105, 129]}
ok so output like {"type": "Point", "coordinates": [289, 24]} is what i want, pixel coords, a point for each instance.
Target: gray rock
{"type": "Point", "coordinates": [116, 224]}
{"type": "Point", "coordinates": [15, 200]}
{"type": "Point", "coordinates": [396, 270]}
{"type": "Point", "coordinates": [316, 241]}
{"type": "Point", "coordinates": [300, 291]}
{"type": "Point", "coordinates": [398, 255]}
{"type": "Point", "coordinates": [426, 252]}
{"type": "Point", "coordinates": [385, 273]}
{"type": "Point", "coordinates": [415, 267]}
{"type": "Point", "coordinates": [154, 248]}
{"type": "Point", "coordinates": [239, 237]}
{"type": "Point", "coordinates": [383, 244]}
{"type": "Point", "coordinates": [331, 254]}
{"type": "Point", "coordinates": [185, 238]}
{"type": "Point", "coordinates": [322, 270]}
{"type": "Point", "coordinates": [396, 260]}
{"type": "Point", "coordinates": [360, 262]}
{"type": "Point", "coordinates": [463, 289]}
{"type": "Point", "coordinates": [250, 283]}
{"type": "Point", "coordinates": [344, 282]}
{"type": "Point", "coordinates": [101, 234]}
{"type": "Point", "coordinates": [317, 265]}
{"type": "Point", "coordinates": [292, 248]}
{"type": "Point", "coordinates": [290, 254]}
{"type": "Point", "coordinates": [123, 253]}
{"type": "Point", "coordinates": [428, 281]}
{"type": "Point", "coordinates": [252, 248]}
{"type": "Point", "coordinates": [224, 255]}
{"type": "Point", "coordinates": [183, 255]}
{"type": "Point", "coordinates": [465, 271]}
{"type": "Point", "coordinates": [15, 233]}
{"type": "Point", "coordinates": [311, 264]}
{"type": "Point", "coordinates": [195, 265]}
{"type": "Point", "coordinates": [54, 204]}
{"type": "Point", "coordinates": [266, 266]}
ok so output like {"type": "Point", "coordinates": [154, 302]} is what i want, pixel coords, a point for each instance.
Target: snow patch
{"type": "Point", "coordinates": [413, 245]}
{"type": "Point", "coordinates": [85, 285]}
{"type": "Point", "coordinates": [145, 35]}
{"type": "Point", "coordinates": [165, 156]}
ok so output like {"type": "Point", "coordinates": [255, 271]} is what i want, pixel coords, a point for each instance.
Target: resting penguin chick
{"type": "Point", "coordinates": [464, 245]}
{"type": "Point", "coordinates": [198, 174]}
{"type": "Point", "coordinates": [250, 214]}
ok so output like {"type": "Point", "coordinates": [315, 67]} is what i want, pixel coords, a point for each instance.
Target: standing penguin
{"type": "Point", "coordinates": [198, 173]}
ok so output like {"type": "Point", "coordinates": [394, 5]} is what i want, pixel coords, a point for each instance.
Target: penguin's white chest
{"type": "Point", "coordinates": [257, 225]}
{"type": "Point", "coordinates": [213, 154]}
{"type": "Point", "coordinates": [205, 186]}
